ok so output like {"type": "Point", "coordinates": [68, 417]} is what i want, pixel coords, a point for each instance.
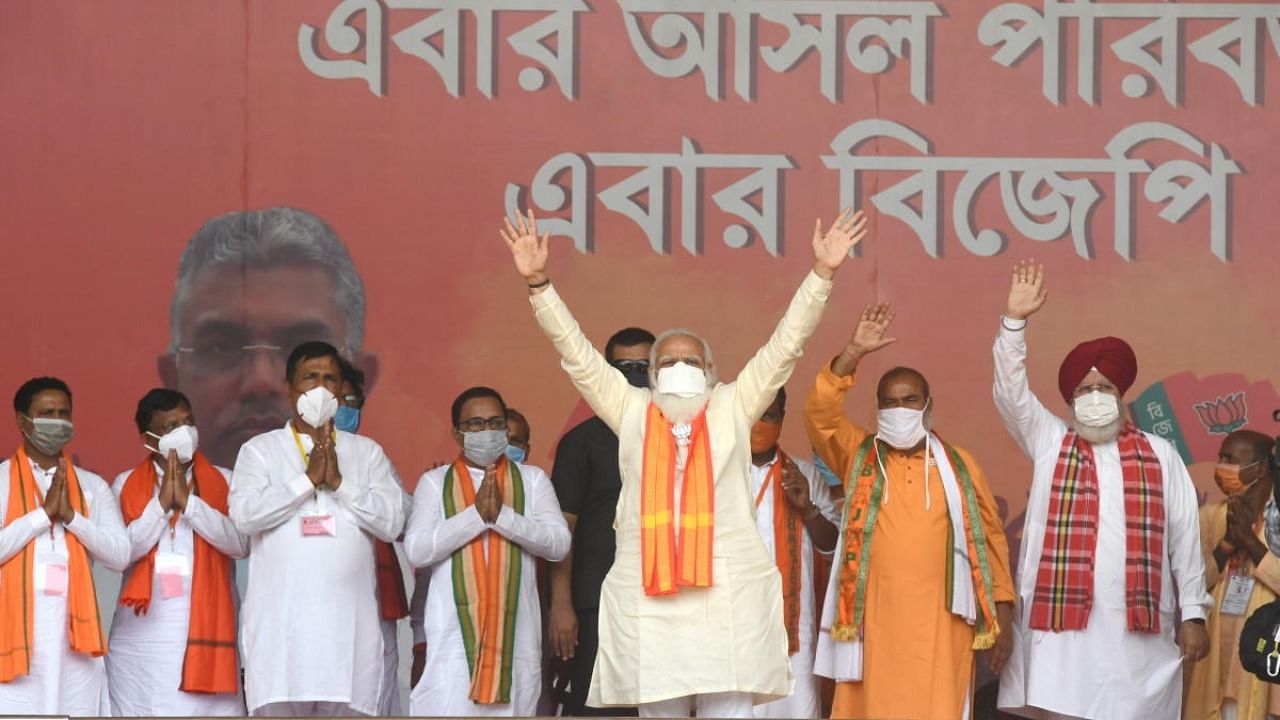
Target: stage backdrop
{"type": "Point", "coordinates": [684, 148]}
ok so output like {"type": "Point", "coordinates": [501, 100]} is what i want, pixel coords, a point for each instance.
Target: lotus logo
{"type": "Point", "coordinates": [1224, 415]}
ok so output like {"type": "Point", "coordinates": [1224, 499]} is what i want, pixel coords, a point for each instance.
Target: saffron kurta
{"type": "Point", "coordinates": [310, 629]}
{"type": "Point", "coordinates": [147, 651]}
{"type": "Point", "coordinates": [1103, 672]}
{"type": "Point", "coordinates": [430, 541]}
{"type": "Point", "coordinates": [61, 681]}
{"type": "Point", "coordinates": [803, 702]}
{"type": "Point", "coordinates": [1219, 676]}
{"type": "Point", "coordinates": [917, 654]}
{"type": "Point", "coordinates": [725, 638]}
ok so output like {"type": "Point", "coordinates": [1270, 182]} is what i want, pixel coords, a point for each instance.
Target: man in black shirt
{"type": "Point", "coordinates": [585, 476]}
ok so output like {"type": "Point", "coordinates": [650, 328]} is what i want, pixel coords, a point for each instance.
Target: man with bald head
{"type": "Point", "coordinates": [1110, 546]}
{"type": "Point", "coordinates": [922, 576]}
{"type": "Point", "coordinates": [691, 611]}
{"type": "Point", "coordinates": [1240, 541]}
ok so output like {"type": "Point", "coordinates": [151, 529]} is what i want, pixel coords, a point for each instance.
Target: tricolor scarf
{"type": "Point", "coordinates": [210, 664]}
{"type": "Point", "coordinates": [486, 591]}
{"type": "Point", "coordinates": [965, 586]}
{"type": "Point", "coordinates": [1064, 582]}
{"type": "Point", "coordinates": [17, 632]}
{"type": "Point", "coordinates": [667, 563]}
{"type": "Point", "coordinates": [788, 549]}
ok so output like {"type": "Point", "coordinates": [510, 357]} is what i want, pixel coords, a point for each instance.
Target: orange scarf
{"type": "Point", "coordinates": [210, 664]}
{"type": "Point", "coordinates": [486, 590]}
{"type": "Point", "coordinates": [667, 567]}
{"type": "Point", "coordinates": [84, 629]}
{"type": "Point", "coordinates": [393, 603]}
{"type": "Point", "coordinates": [788, 549]}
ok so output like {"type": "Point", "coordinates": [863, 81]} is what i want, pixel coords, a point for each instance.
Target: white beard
{"type": "Point", "coordinates": [1099, 435]}
{"type": "Point", "coordinates": [681, 410]}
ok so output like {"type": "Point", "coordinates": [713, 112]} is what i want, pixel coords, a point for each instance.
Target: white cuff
{"type": "Point", "coordinates": [1012, 325]}
{"type": "Point", "coordinates": [39, 519]}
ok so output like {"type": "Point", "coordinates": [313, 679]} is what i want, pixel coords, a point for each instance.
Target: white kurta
{"type": "Point", "coordinates": [803, 702]}
{"type": "Point", "coordinates": [431, 540]}
{"type": "Point", "coordinates": [1104, 671]}
{"type": "Point", "coordinates": [61, 682]}
{"type": "Point", "coordinates": [726, 638]}
{"type": "Point", "coordinates": [310, 626]}
{"type": "Point", "coordinates": [147, 651]}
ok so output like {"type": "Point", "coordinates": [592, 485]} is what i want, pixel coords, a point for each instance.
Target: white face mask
{"type": "Point", "coordinates": [317, 406]}
{"type": "Point", "coordinates": [183, 439]}
{"type": "Point", "coordinates": [1096, 409]}
{"type": "Point", "coordinates": [682, 380]}
{"type": "Point", "coordinates": [484, 447]}
{"type": "Point", "coordinates": [903, 428]}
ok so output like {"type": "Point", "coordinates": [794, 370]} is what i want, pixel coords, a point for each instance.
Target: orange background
{"type": "Point", "coordinates": [126, 124]}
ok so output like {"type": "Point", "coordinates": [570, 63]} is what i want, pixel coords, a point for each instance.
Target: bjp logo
{"type": "Point", "coordinates": [1224, 415]}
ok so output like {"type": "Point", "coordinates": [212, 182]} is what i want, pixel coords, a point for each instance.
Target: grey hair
{"type": "Point", "coordinates": [266, 238]}
{"type": "Point", "coordinates": [707, 357]}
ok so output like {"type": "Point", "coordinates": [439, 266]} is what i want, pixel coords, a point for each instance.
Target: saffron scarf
{"type": "Point", "coordinates": [669, 563]}
{"type": "Point", "coordinates": [393, 603]}
{"type": "Point", "coordinates": [210, 664]}
{"type": "Point", "coordinates": [84, 628]}
{"type": "Point", "coordinates": [486, 591]}
{"type": "Point", "coordinates": [1064, 581]}
{"type": "Point", "coordinates": [788, 549]}
{"type": "Point", "coordinates": [862, 506]}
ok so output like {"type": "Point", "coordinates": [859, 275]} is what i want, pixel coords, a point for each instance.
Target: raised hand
{"type": "Point", "coordinates": [528, 250]}
{"type": "Point", "coordinates": [868, 337]}
{"type": "Point", "coordinates": [1027, 293]}
{"type": "Point", "coordinates": [795, 486]}
{"type": "Point", "coordinates": [832, 247]}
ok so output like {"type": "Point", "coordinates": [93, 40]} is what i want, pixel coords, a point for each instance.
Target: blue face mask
{"type": "Point", "coordinates": [347, 419]}
{"type": "Point", "coordinates": [515, 454]}
{"type": "Point", "coordinates": [825, 471]}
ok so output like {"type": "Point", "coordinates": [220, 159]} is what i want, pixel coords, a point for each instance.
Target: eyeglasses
{"type": "Point", "coordinates": [478, 424]}
{"type": "Point", "coordinates": [774, 418]}
{"type": "Point", "coordinates": [627, 366]}
{"type": "Point", "coordinates": [222, 357]}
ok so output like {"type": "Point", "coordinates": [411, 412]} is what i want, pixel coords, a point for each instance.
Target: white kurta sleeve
{"type": "Point", "coordinates": [603, 386]}
{"type": "Point", "coordinates": [145, 531]}
{"type": "Point", "coordinates": [102, 533]}
{"type": "Point", "coordinates": [1033, 427]}
{"type": "Point", "coordinates": [257, 504]}
{"type": "Point", "coordinates": [543, 532]}
{"type": "Point", "coordinates": [1182, 533]}
{"type": "Point", "coordinates": [772, 364]}
{"type": "Point", "coordinates": [820, 495]}
{"type": "Point", "coordinates": [377, 502]}
{"type": "Point", "coordinates": [430, 536]}
{"type": "Point", "coordinates": [216, 528]}
{"type": "Point", "coordinates": [16, 535]}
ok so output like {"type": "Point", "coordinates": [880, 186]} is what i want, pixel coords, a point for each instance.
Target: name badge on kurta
{"type": "Point", "coordinates": [172, 569]}
{"type": "Point", "coordinates": [51, 573]}
{"type": "Point", "coordinates": [319, 524]}
{"type": "Point", "coordinates": [1236, 599]}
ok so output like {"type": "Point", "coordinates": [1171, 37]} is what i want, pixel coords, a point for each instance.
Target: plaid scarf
{"type": "Point", "coordinates": [1064, 582]}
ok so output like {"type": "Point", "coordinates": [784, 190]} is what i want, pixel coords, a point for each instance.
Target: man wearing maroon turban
{"type": "Point", "coordinates": [1111, 593]}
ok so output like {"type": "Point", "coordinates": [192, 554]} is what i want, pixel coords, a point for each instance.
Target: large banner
{"type": "Point", "coordinates": [680, 151]}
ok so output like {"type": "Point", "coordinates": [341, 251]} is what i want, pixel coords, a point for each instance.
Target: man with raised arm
{"type": "Point", "coordinates": [922, 579]}
{"type": "Point", "coordinates": [1111, 545]}
{"type": "Point", "coordinates": [691, 610]}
